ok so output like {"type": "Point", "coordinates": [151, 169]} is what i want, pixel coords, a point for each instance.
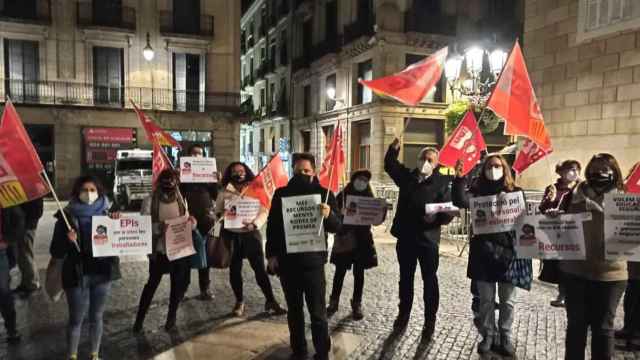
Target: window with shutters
{"type": "Point", "coordinates": [262, 139]}
{"type": "Point", "coordinates": [365, 72]}
{"type": "Point", "coordinates": [108, 76]}
{"type": "Point", "coordinates": [361, 148]}
{"type": "Point", "coordinates": [419, 134]}
{"type": "Point", "coordinates": [602, 17]}
{"type": "Point", "coordinates": [22, 67]}
{"type": "Point", "coordinates": [188, 82]}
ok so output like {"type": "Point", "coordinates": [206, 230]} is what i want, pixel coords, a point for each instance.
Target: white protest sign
{"type": "Point", "coordinates": [363, 210]}
{"type": "Point", "coordinates": [198, 170]}
{"type": "Point", "coordinates": [543, 237]}
{"type": "Point", "coordinates": [496, 213]}
{"type": "Point", "coordinates": [622, 227]}
{"type": "Point", "coordinates": [302, 224]}
{"type": "Point", "coordinates": [239, 211]}
{"type": "Point", "coordinates": [447, 208]}
{"type": "Point", "coordinates": [178, 239]}
{"type": "Point", "coordinates": [128, 235]}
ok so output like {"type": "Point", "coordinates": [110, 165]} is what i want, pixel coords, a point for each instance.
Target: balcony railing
{"type": "Point", "coordinates": [203, 28]}
{"type": "Point", "coordinates": [15, 12]}
{"type": "Point", "coordinates": [361, 27]}
{"type": "Point", "coordinates": [86, 17]}
{"type": "Point", "coordinates": [83, 94]}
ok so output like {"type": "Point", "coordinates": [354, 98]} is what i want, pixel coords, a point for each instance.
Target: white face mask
{"type": "Point", "coordinates": [425, 167]}
{"type": "Point", "coordinates": [571, 176]}
{"type": "Point", "coordinates": [494, 174]}
{"type": "Point", "coordinates": [360, 185]}
{"type": "Point", "coordinates": [88, 197]}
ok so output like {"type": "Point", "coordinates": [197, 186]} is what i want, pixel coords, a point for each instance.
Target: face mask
{"type": "Point", "coordinates": [425, 167]}
{"type": "Point", "coordinates": [307, 179]}
{"type": "Point", "coordinates": [237, 179]}
{"type": "Point", "coordinates": [168, 186]}
{"type": "Point", "coordinates": [570, 176]}
{"type": "Point", "coordinates": [88, 197]}
{"type": "Point", "coordinates": [360, 185]}
{"type": "Point", "coordinates": [494, 174]}
{"type": "Point", "coordinates": [603, 179]}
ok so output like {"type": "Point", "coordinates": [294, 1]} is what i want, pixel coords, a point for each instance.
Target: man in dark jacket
{"type": "Point", "coordinates": [302, 274]}
{"type": "Point", "coordinates": [201, 198]}
{"type": "Point", "coordinates": [418, 233]}
{"type": "Point", "coordinates": [24, 220]}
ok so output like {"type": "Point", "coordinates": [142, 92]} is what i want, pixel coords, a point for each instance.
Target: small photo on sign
{"type": "Point", "coordinates": [363, 210]}
{"type": "Point", "coordinates": [528, 237]}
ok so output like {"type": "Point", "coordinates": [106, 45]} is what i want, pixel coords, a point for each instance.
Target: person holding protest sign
{"type": "Point", "coordinates": [86, 279]}
{"type": "Point", "coordinates": [301, 270]}
{"type": "Point", "coordinates": [593, 286]}
{"type": "Point", "coordinates": [356, 249]}
{"type": "Point", "coordinates": [246, 241]}
{"type": "Point", "coordinates": [7, 305]}
{"type": "Point", "coordinates": [418, 233]}
{"type": "Point", "coordinates": [492, 258]}
{"type": "Point", "coordinates": [552, 202]}
{"type": "Point", "coordinates": [200, 199]}
{"type": "Point", "coordinates": [165, 203]}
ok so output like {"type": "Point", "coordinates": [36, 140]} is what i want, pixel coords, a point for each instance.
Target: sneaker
{"type": "Point", "coordinates": [401, 322]}
{"type": "Point", "coordinates": [332, 308]}
{"type": "Point", "coordinates": [205, 295]}
{"type": "Point", "coordinates": [506, 347]}
{"type": "Point", "coordinates": [485, 345]}
{"type": "Point", "coordinates": [274, 308]}
{"type": "Point", "coordinates": [356, 311]}
{"type": "Point", "coordinates": [238, 310]}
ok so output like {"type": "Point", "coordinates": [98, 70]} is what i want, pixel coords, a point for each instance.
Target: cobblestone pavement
{"type": "Point", "coordinates": [538, 328]}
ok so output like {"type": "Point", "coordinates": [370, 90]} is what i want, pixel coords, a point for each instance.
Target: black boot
{"type": "Point", "coordinates": [506, 347]}
{"type": "Point", "coordinates": [356, 310]}
{"type": "Point", "coordinates": [333, 306]}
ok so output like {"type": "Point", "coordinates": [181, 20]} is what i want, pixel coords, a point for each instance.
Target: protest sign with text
{"type": "Point", "coordinates": [447, 208]}
{"type": "Point", "coordinates": [302, 224]}
{"type": "Point", "coordinates": [543, 237]}
{"type": "Point", "coordinates": [128, 235]}
{"type": "Point", "coordinates": [178, 240]}
{"type": "Point", "coordinates": [622, 227]}
{"type": "Point", "coordinates": [240, 211]}
{"type": "Point", "coordinates": [362, 210]}
{"type": "Point", "coordinates": [198, 170]}
{"type": "Point", "coordinates": [496, 213]}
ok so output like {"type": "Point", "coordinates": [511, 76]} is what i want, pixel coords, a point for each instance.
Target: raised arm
{"type": "Point", "coordinates": [399, 173]}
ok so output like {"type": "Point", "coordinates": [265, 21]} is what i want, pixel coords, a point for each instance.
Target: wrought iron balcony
{"type": "Point", "coordinates": [125, 17]}
{"type": "Point", "coordinates": [14, 11]}
{"type": "Point", "coordinates": [202, 28]}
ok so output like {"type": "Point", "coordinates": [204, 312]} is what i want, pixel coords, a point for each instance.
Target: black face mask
{"type": "Point", "coordinates": [601, 180]}
{"type": "Point", "coordinates": [237, 179]}
{"type": "Point", "coordinates": [306, 179]}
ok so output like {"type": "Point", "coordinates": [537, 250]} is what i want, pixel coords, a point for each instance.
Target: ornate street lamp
{"type": "Point", "coordinates": [148, 52]}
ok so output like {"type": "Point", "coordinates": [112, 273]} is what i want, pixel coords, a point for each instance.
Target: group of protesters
{"type": "Point", "coordinates": [590, 289]}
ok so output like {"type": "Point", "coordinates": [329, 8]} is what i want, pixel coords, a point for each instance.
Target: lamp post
{"type": "Point", "coordinates": [148, 52]}
{"type": "Point", "coordinates": [476, 84]}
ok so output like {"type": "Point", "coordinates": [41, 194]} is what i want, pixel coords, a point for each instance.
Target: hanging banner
{"type": "Point", "coordinates": [302, 223]}
{"type": "Point", "coordinates": [178, 240]}
{"type": "Point", "coordinates": [559, 238]}
{"type": "Point", "coordinates": [240, 211]}
{"type": "Point", "coordinates": [128, 235]}
{"type": "Point", "coordinates": [363, 210]}
{"type": "Point", "coordinates": [198, 170]}
{"type": "Point", "coordinates": [622, 227]}
{"type": "Point", "coordinates": [496, 213]}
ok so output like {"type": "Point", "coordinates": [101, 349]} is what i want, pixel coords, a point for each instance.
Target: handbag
{"type": "Point", "coordinates": [199, 259]}
{"type": "Point", "coordinates": [219, 250]}
{"type": "Point", "coordinates": [53, 281]}
{"type": "Point", "coordinates": [343, 242]}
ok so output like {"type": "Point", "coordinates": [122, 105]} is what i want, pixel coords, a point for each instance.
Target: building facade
{"type": "Point", "coordinates": [72, 67]}
{"type": "Point", "coordinates": [584, 61]}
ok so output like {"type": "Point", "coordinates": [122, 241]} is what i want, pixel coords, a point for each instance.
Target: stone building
{"type": "Point", "coordinates": [584, 60]}
{"type": "Point", "coordinates": [72, 66]}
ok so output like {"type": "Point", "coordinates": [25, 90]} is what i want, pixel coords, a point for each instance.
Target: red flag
{"type": "Point", "coordinates": [153, 131]}
{"type": "Point", "coordinates": [514, 100]}
{"type": "Point", "coordinates": [160, 162]}
{"type": "Point", "coordinates": [270, 178]}
{"type": "Point", "coordinates": [466, 143]}
{"type": "Point", "coordinates": [412, 84]}
{"type": "Point", "coordinates": [529, 154]}
{"type": "Point", "coordinates": [334, 163]}
{"type": "Point", "coordinates": [20, 167]}
{"type": "Point", "coordinates": [632, 184]}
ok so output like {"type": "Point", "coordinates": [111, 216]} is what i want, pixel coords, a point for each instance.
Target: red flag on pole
{"type": "Point", "coordinates": [20, 166]}
{"type": "Point", "coordinates": [153, 131]}
{"type": "Point", "coordinates": [334, 163]}
{"type": "Point", "coordinates": [160, 162]}
{"type": "Point", "coordinates": [466, 143]}
{"type": "Point", "coordinates": [412, 84]}
{"type": "Point", "coordinates": [528, 154]}
{"type": "Point", "coordinates": [270, 178]}
{"type": "Point", "coordinates": [632, 184]}
{"type": "Point", "coordinates": [514, 100]}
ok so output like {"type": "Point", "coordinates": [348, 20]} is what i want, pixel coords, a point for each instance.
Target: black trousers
{"type": "Point", "coordinates": [180, 276]}
{"type": "Point", "coordinates": [204, 279]}
{"type": "Point", "coordinates": [338, 281]}
{"type": "Point", "coordinates": [248, 246]}
{"type": "Point", "coordinates": [409, 255]}
{"type": "Point", "coordinates": [300, 285]}
{"type": "Point", "coordinates": [591, 304]}
{"type": "Point", "coordinates": [632, 308]}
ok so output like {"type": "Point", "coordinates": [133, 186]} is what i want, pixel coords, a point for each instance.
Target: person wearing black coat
{"type": "Point", "coordinates": [7, 304]}
{"type": "Point", "coordinates": [492, 259]}
{"type": "Point", "coordinates": [359, 253]}
{"type": "Point", "coordinates": [302, 274]}
{"type": "Point", "coordinates": [418, 234]}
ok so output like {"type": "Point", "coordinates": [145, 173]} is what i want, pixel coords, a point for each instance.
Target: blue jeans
{"type": "Point", "coordinates": [91, 296]}
{"type": "Point", "coordinates": [7, 307]}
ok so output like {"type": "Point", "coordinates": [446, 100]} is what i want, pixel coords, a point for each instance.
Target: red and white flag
{"type": "Point", "coordinates": [270, 178]}
{"type": "Point", "coordinates": [20, 167]}
{"type": "Point", "coordinates": [465, 143]}
{"type": "Point", "coordinates": [333, 165]}
{"type": "Point", "coordinates": [154, 133]}
{"type": "Point", "coordinates": [412, 84]}
{"type": "Point", "coordinates": [632, 185]}
{"type": "Point", "coordinates": [528, 155]}
{"type": "Point", "coordinates": [160, 162]}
